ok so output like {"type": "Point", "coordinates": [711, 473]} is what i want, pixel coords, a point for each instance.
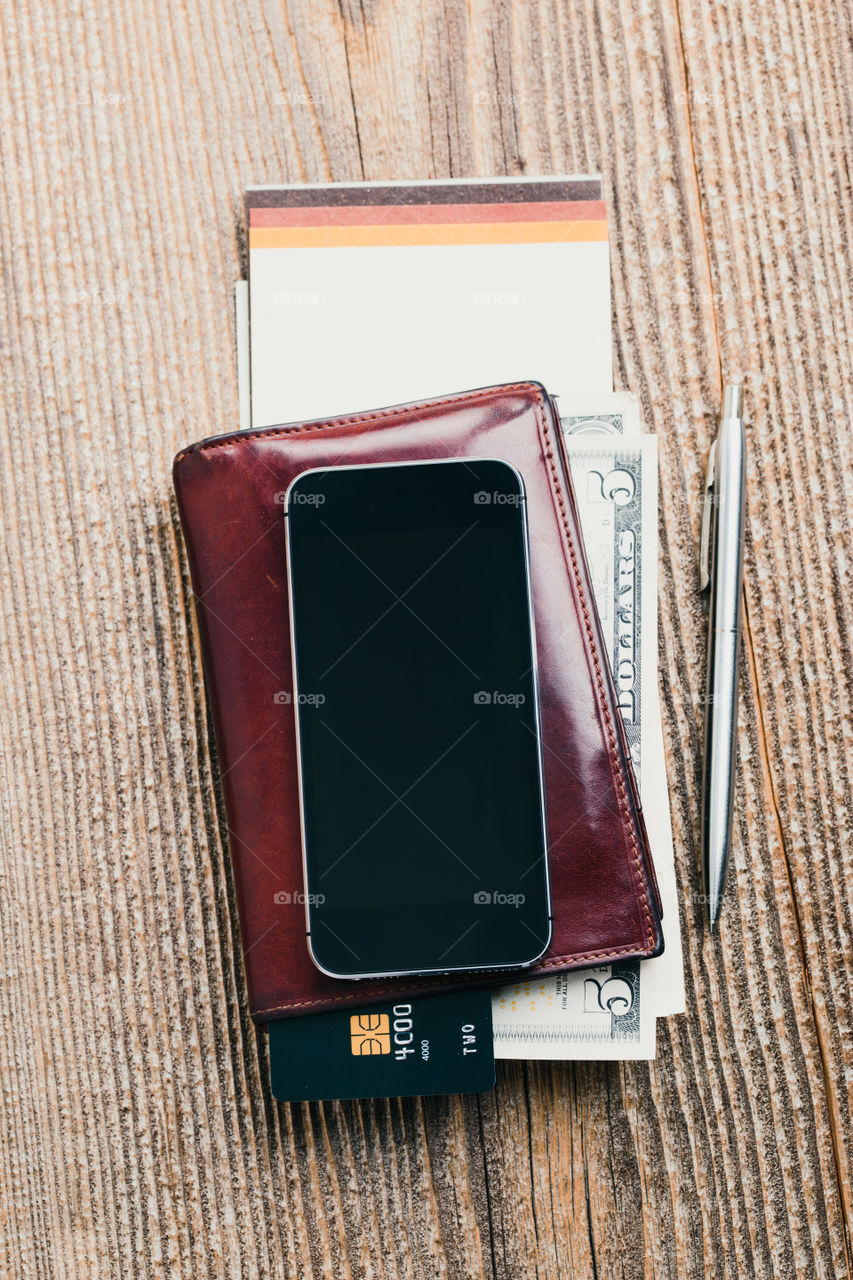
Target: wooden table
{"type": "Point", "coordinates": [137, 1132]}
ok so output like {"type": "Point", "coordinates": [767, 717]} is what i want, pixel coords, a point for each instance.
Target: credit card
{"type": "Point", "coordinates": [429, 1045]}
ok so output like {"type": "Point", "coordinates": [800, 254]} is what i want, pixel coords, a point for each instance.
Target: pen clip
{"type": "Point", "coordinates": [707, 521]}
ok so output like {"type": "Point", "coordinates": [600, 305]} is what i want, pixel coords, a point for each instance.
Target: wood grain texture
{"type": "Point", "coordinates": [137, 1133]}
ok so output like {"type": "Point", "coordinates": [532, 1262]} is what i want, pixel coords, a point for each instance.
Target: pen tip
{"type": "Point", "coordinates": [732, 400]}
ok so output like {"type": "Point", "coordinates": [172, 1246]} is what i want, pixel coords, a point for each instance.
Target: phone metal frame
{"type": "Point", "coordinates": [401, 973]}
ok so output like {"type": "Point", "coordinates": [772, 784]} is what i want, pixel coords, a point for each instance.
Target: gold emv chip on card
{"type": "Point", "coordinates": [370, 1033]}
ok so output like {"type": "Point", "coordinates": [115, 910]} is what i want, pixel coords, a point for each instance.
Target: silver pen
{"type": "Point", "coordinates": [721, 573]}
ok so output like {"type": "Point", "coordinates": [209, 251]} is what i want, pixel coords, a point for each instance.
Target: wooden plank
{"type": "Point", "coordinates": [776, 192]}
{"type": "Point", "coordinates": [137, 1134]}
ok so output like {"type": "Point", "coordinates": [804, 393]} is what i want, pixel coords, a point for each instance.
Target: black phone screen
{"type": "Point", "coordinates": [418, 730]}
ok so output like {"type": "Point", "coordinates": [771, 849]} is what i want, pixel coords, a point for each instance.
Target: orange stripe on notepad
{"type": "Point", "coordinates": [407, 214]}
{"type": "Point", "coordinates": [421, 234]}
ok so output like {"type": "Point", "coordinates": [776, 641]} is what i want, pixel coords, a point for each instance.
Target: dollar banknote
{"type": "Point", "coordinates": [615, 415]}
{"type": "Point", "coordinates": [593, 1013]}
{"type": "Point", "coordinates": [611, 1011]}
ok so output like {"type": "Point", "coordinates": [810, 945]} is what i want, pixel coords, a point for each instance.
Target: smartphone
{"type": "Point", "coordinates": [416, 703]}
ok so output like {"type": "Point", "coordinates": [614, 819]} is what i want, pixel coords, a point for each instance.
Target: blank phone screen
{"type": "Point", "coordinates": [415, 697]}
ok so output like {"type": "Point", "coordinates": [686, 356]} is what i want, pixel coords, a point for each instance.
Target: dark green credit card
{"type": "Point", "coordinates": [433, 1044]}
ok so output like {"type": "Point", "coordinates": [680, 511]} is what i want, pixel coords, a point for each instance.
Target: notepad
{"type": "Point", "coordinates": [374, 294]}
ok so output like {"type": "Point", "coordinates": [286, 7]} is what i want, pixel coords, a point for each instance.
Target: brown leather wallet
{"type": "Point", "coordinates": [230, 492]}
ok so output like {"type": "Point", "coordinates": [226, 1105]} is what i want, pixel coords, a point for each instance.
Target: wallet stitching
{"type": "Point", "coordinates": [509, 974]}
{"type": "Point", "coordinates": [467, 398]}
{"type": "Point", "coordinates": [394, 410]}
{"type": "Point", "coordinates": [614, 755]}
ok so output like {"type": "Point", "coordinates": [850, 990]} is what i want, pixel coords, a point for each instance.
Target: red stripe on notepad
{"type": "Point", "coordinates": [412, 215]}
